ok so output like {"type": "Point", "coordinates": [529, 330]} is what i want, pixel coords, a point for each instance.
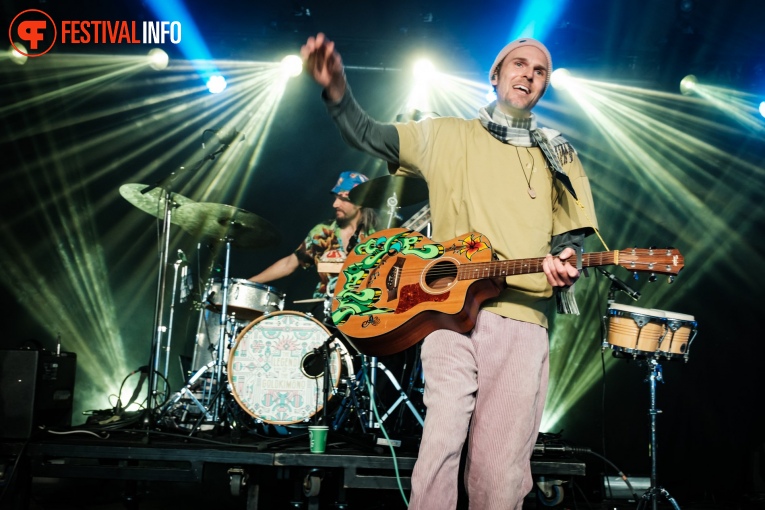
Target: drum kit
{"type": "Point", "coordinates": [279, 367]}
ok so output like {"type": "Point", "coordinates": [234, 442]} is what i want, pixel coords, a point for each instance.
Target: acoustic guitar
{"type": "Point", "coordinates": [398, 286]}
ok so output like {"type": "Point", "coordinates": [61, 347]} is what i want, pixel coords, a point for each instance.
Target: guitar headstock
{"type": "Point", "coordinates": [654, 260]}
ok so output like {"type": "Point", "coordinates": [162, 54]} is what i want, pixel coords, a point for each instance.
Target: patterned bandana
{"type": "Point", "coordinates": [518, 132]}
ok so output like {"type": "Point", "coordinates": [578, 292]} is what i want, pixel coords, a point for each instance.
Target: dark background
{"type": "Point", "coordinates": [65, 155]}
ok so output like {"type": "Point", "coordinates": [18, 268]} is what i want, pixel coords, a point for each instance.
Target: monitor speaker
{"type": "Point", "coordinates": [36, 390]}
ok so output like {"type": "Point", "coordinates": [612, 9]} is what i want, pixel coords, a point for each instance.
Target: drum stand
{"type": "Point", "coordinates": [210, 403]}
{"type": "Point", "coordinates": [654, 491]}
{"type": "Point", "coordinates": [159, 308]}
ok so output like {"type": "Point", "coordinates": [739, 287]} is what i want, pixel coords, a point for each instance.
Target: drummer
{"type": "Point", "coordinates": [327, 244]}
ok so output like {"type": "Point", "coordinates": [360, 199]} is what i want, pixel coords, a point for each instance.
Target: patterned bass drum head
{"type": "Point", "coordinates": [275, 373]}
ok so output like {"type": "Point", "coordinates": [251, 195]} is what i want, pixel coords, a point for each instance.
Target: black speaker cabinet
{"type": "Point", "coordinates": [36, 389]}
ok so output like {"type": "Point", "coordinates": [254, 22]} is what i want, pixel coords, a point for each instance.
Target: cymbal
{"type": "Point", "coordinates": [376, 192]}
{"type": "Point", "coordinates": [221, 222]}
{"type": "Point", "coordinates": [152, 202]}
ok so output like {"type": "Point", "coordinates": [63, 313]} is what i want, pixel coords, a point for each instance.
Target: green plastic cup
{"type": "Point", "coordinates": [317, 434]}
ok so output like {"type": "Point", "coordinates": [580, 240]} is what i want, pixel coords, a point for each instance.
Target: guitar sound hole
{"type": "Point", "coordinates": [441, 275]}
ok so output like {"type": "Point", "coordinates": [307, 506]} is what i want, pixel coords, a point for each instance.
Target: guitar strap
{"type": "Point", "coordinates": [555, 167]}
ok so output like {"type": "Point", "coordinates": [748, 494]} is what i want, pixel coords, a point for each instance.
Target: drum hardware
{"type": "Point", "coordinates": [353, 400]}
{"type": "Point", "coordinates": [393, 192]}
{"type": "Point", "coordinates": [188, 392]}
{"type": "Point", "coordinates": [681, 331]}
{"type": "Point", "coordinates": [152, 199]}
{"type": "Point", "coordinates": [233, 227]}
{"type": "Point", "coordinates": [416, 376]}
{"type": "Point", "coordinates": [402, 397]}
{"type": "Point", "coordinates": [654, 491]}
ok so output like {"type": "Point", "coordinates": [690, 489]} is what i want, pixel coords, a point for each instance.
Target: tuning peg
{"type": "Point", "coordinates": [652, 277]}
{"type": "Point", "coordinates": [671, 279]}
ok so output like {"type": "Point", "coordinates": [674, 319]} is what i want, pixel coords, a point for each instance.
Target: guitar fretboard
{"type": "Point", "coordinates": [502, 268]}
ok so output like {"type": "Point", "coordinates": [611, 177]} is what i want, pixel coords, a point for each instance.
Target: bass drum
{"type": "Point", "coordinates": [276, 371]}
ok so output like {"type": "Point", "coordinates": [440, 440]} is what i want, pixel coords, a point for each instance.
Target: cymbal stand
{"type": "Point", "coordinates": [392, 208]}
{"type": "Point", "coordinates": [372, 360]}
{"type": "Point", "coordinates": [169, 339]}
{"type": "Point", "coordinates": [654, 491]}
{"type": "Point", "coordinates": [159, 309]}
{"type": "Point", "coordinates": [221, 352]}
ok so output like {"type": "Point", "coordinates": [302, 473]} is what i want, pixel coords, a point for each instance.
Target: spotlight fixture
{"type": "Point", "coordinates": [16, 55]}
{"type": "Point", "coordinates": [560, 78]}
{"type": "Point", "coordinates": [423, 69]}
{"type": "Point", "coordinates": [688, 84]}
{"type": "Point", "coordinates": [762, 108]}
{"type": "Point", "coordinates": [292, 65]}
{"type": "Point", "coordinates": [216, 84]}
{"type": "Point", "coordinates": [158, 59]}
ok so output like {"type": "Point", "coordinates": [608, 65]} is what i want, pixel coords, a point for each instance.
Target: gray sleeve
{"type": "Point", "coordinates": [361, 131]}
{"type": "Point", "coordinates": [573, 239]}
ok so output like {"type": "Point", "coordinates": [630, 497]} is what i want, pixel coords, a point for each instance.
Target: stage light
{"type": "Point", "coordinates": [158, 59]}
{"type": "Point", "coordinates": [423, 69]}
{"type": "Point", "coordinates": [216, 84]}
{"type": "Point", "coordinates": [560, 79]}
{"type": "Point", "coordinates": [292, 65]}
{"type": "Point", "coordinates": [15, 53]}
{"type": "Point", "coordinates": [688, 85]}
{"type": "Point", "coordinates": [762, 108]}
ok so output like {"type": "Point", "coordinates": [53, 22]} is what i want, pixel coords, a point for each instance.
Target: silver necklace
{"type": "Point", "coordinates": [532, 193]}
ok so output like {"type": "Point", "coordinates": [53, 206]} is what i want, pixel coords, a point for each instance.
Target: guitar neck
{"type": "Point", "coordinates": [502, 268]}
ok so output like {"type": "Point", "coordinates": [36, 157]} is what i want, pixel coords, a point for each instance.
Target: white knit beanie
{"type": "Point", "coordinates": [526, 41]}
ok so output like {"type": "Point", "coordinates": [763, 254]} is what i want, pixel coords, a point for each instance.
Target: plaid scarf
{"type": "Point", "coordinates": [517, 132]}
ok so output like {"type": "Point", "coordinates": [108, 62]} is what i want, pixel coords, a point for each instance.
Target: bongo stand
{"type": "Point", "coordinates": [654, 491]}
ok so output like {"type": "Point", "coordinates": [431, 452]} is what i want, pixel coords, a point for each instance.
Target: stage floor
{"type": "Point", "coordinates": [153, 470]}
{"type": "Point", "coordinates": [141, 469]}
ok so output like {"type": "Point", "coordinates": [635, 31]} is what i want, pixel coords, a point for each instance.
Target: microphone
{"type": "Point", "coordinates": [620, 285]}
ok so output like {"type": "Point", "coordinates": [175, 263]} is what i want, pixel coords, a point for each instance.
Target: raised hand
{"type": "Point", "coordinates": [325, 65]}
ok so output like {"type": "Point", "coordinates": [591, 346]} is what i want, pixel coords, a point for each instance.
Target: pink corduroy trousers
{"type": "Point", "coordinates": [491, 383]}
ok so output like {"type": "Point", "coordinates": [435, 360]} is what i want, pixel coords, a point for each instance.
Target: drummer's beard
{"type": "Point", "coordinates": [343, 218]}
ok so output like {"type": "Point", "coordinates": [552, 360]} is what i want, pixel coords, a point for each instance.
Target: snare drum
{"type": "Point", "coordinates": [681, 330]}
{"type": "Point", "coordinates": [275, 373]}
{"type": "Point", "coordinates": [246, 300]}
{"type": "Point", "coordinates": [635, 330]}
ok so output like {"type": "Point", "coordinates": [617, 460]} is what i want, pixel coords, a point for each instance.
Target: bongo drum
{"type": "Point", "coordinates": [634, 330]}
